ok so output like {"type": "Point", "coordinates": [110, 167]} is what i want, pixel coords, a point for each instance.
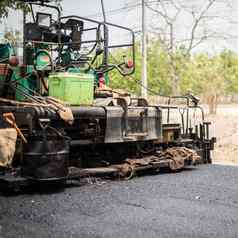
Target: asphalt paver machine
{"type": "Point", "coordinates": [60, 119]}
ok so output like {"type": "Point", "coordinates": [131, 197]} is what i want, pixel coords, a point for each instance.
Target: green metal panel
{"type": "Point", "coordinates": [42, 60]}
{"type": "Point", "coordinates": [5, 52]}
{"type": "Point", "coordinates": [75, 89]}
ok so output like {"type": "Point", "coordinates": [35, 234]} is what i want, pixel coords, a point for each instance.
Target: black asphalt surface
{"type": "Point", "coordinates": [200, 202]}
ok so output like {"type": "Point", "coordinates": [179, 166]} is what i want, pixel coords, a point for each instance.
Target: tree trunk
{"type": "Point", "coordinates": [175, 86]}
{"type": "Point", "coordinates": [212, 102]}
{"type": "Point", "coordinates": [174, 78]}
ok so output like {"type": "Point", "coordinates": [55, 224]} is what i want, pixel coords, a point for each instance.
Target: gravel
{"type": "Point", "coordinates": [197, 202]}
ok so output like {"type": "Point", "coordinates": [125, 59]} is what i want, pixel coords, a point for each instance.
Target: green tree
{"type": "Point", "coordinates": [158, 72]}
{"type": "Point", "coordinates": [208, 78]}
{"type": "Point", "coordinates": [158, 69]}
{"type": "Point", "coordinates": [230, 67]}
{"type": "Point", "coordinates": [117, 81]}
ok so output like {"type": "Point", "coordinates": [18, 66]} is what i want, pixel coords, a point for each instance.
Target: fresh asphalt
{"type": "Point", "coordinates": [199, 202]}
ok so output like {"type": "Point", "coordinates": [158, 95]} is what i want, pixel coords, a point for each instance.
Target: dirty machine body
{"type": "Point", "coordinates": [69, 123]}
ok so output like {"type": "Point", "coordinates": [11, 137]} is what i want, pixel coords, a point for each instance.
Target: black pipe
{"type": "Point", "coordinates": [89, 112]}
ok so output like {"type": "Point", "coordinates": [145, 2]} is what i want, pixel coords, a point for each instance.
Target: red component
{"type": "Point", "coordinates": [101, 82]}
{"type": "Point", "coordinates": [130, 64]}
{"type": "Point", "coordinates": [14, 61]}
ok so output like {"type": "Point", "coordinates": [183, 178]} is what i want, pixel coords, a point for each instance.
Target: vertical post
{"type": "Point", "coordinates": [105, 29]}
{"type": "Point", "coordinates": [144, 53]}
{"type": "Point", "coordinates": [103, 11]}
{"type": "Point", "coordinates": [24, 40]}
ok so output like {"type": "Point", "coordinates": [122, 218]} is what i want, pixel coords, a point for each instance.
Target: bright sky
{"type": "Point", "coordinates": [128, 13]}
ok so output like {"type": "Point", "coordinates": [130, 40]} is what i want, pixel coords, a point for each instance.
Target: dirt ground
{"type": "Point", "coordinates": [225, 129]}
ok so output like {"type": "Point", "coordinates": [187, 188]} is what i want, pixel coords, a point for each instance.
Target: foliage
{"type": "Point", "coordinates": [209, 76]}
{"type": "Point", "coordinates": [6, 5]}
{"type": "Point", "coordinates": [158, 72]}
{"type": "Point", "coordinates": [200, 73]}
{"type": "Point", "coordinates": [230, 66]}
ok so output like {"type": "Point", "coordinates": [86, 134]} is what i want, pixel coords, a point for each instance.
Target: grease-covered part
{"type": "Point", "coordinates": [175, 158]}
{"type": "Point", "coordinates": [46, 158]}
